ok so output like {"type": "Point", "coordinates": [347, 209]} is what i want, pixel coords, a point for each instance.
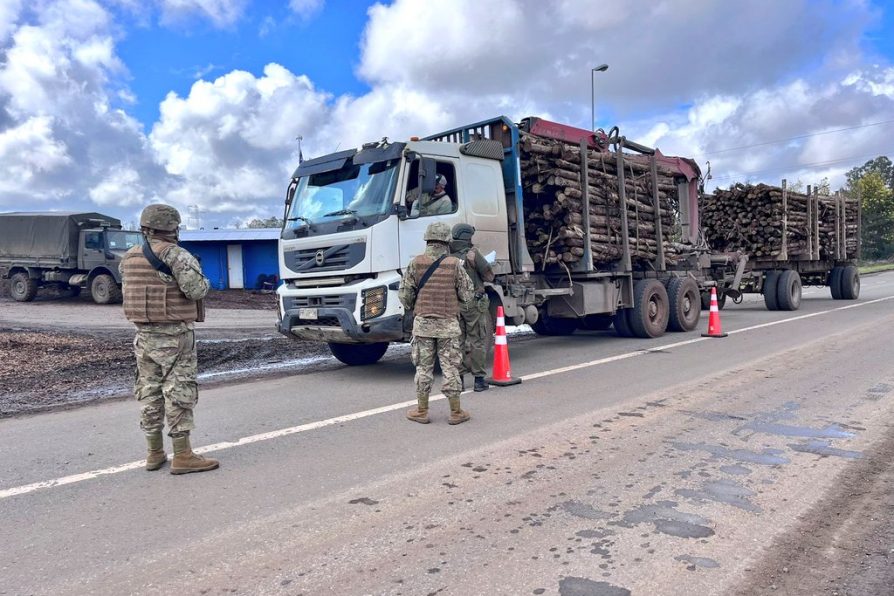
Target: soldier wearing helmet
{"type": "Point", "coordinates": [438, 203]}
{"type": "Point", "coordinates": [475, 320]}
{"type": "Point", "coordinates": [163, 291]}
{"type": "Point", "coordinates": [434, 287]}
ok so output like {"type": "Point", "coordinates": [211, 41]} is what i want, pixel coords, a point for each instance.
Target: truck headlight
{"type": "Point", "coordinates": [374, 301]}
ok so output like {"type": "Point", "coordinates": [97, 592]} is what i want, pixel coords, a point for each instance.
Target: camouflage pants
{"type": "Point", "coordinates": [449, 352]}
{"type": "Point", "coordinates": [477, 337]}
{"type": "Point", "coordinates": [166, 380]}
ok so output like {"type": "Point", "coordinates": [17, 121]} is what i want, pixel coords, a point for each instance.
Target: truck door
{"type": "Point", "coordinates": [413, 228]}
{"type": "Point", "coordinates": [93, 250]}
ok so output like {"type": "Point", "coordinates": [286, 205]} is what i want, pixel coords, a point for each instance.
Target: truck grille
{"type": "Point", "coordinates": [347, 301]}
{"type": "Point", "coordinates": [328, 258]}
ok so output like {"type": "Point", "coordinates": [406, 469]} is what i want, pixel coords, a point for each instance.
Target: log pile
{"type": "Point", "coordinates": [750, 219]}
{"type": "Point", "coordinates": [554, 205]}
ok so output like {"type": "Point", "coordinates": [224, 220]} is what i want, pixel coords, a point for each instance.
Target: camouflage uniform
{"type": "Point", "coordinates": [164, 309]}
{"type": "Point", "coordinates": [475, 321]}
{"type": "Point", "coordinates": [436, 333]}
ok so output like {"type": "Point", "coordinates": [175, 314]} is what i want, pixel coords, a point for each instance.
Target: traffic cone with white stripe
{"type": "Point", "coordinates": [502, 372]}
{"type": "Point", "coordinates": [714, 329]}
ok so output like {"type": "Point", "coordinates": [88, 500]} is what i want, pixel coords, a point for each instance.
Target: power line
{"type": "Point", "coordinates": [806, 136]}
{"type": "Point", "coordinates": [798, 166]}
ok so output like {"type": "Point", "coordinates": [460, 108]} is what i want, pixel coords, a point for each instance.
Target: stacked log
{"type": "Point", "coordinates": [554, 205]}
{"type": "Point", "coordinates": [750, 219]}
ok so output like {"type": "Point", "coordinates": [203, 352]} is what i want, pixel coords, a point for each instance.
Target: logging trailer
{"type": "Point", "coordinates": [349, 231]}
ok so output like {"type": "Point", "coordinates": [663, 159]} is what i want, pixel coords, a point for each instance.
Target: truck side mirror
{"type": "Point", "coordinates": [401, 211]}
{"type": "Point", "coordinates": [428, 171]}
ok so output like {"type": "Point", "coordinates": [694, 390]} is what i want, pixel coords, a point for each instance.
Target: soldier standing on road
{"type": "Point", "coordinates": [434, 286]}
{"type": "Point", "coordinates": [475, 320]}
{"type": "Point", "coordinates": [163, 291]}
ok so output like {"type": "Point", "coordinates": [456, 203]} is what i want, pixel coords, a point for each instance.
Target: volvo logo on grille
{"type": "Point", "coordinates": [320, 258]}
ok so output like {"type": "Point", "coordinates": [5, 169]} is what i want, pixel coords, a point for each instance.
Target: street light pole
{"type": "Point", "coordinates": [593, 71]}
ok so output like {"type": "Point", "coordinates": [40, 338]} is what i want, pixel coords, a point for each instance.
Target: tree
{"type": "Point", "coordinates": [877, 200]}
{"type": "Point", "coordinates": [880, 165]}
{"type": "Point", "coordinates": [270, 222]}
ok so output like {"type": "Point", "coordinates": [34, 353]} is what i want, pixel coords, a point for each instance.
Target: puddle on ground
{"type": "Point", "coordinates": [735, 470]}
{"type": "Point", "coordinates": [833, 431]}
{"type": "Point", "coordinates": [668, 520]}
{"type": "Point", "coordinates": [584, 510]}
{"type": "Point", "coordinates": [581, 586]}
{"type": "Point", "coordinates": [722, 491]}
{"type": "Point", "coordinates": [594, 533]}
{"type": "Point", "coordinates": [823, 448]}
{"type": "Point", "coordinates": [767, 457]}
{"type": "Point", "coordinates": [698, 561]}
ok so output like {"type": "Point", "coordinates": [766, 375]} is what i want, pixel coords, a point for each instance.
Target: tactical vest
{"type": "Point", "coordinates": [150, 299]}
{"type": "Point", "coordinates": [438, 298]}
{"type": "Point", "coordinates": [467, 255]}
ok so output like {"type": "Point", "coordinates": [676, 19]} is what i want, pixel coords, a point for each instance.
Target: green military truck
{"type": "Point", "coordinates": [66, 250]}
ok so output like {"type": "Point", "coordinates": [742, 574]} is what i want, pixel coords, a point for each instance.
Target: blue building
{"type": "Point", "coordinates": [234, 259]}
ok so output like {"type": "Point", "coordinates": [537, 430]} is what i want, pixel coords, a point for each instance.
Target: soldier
{"type": "Point", "coordinates": [163, 291]}
{"type": "Point", "coordinates": [475, 319]}
{"type": "Point", "coordinates": [434, 286]}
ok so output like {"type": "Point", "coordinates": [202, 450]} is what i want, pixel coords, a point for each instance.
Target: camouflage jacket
{"type": "Point", "coordinates": [430, 326]}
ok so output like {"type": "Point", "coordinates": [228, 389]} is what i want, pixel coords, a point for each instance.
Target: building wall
{"type": "Point", "coordinates": [259, 258]}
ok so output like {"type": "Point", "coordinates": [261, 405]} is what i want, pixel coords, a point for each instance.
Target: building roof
{"type": "Point", "coordinates": [230, 235]}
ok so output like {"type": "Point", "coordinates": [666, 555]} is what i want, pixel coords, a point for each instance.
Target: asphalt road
{"type": "Point", "coordinates": [680, 465]}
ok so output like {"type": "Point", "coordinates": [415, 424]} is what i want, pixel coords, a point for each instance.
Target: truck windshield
{"type": "Point", "coordinates": [116, 240]}
{"type": "Point", "coordinates": [358, 192]}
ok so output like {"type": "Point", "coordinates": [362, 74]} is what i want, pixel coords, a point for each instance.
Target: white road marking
{"type": "Point", "coordinates": [28, 488]}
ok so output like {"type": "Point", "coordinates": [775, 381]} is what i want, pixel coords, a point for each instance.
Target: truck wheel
{"type": "Point", "coordinates": [706, 300]}
{"type": "Point", "coordinates": [850, 283]}
{"type": "Point", "coordinates": [359, 354]}
{"type": "Point", "coordinates": [685, 304]}
{"type": "Point", "coordinates": [771, 284]}
{"type": "Point", "coordinates": [596, 322]}
{"type": "Point", "coordinates": [651, 309]}
{"type": "Point", "coordinates": [547, 325]}
{"type": "Point", "coordinates": [788, 290]}
{"type": "Point", "coordinates": [621, 322]}
{"type": "Point", "coordinates": [104, 290]}
{"type": "Point", "coordinates": [835, 282]}
{"type": "Point", "coordinates": [22, 288]}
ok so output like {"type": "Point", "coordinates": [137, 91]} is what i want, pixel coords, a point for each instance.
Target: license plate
{"type": "Point", "coordinates": [307, 313]}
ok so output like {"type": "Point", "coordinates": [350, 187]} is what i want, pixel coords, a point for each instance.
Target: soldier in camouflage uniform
{"type": "Point", "coordinates": [436, 324]}
{"type": "Point", "coordinates": [164, 300]}
{"type": "Point", "coordinates": [475, 321]}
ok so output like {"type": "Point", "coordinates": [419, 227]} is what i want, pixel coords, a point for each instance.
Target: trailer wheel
{"type": "Point", "coordinates": [849, 288]}
{"type": "Point", "coordinates": [788, 290]}
{"type": "Point", "coordinates": [651, 309]}
{"type": "Point", "coordinates": [835, 282]}
{"type": "Point", "coordinates": [685, 304]}
{"type": "Point", "coordinates": [621, 322]}
{"type": "Point", "coordinates": [359, 354]}
{"type": "Point", "coordinates": [547, 325]}
{"type": "Point", "coordinates": [596, 322]}
{"type": "Point", "coordinates": [104, 290]}
{"type": "Point", "coordinates": [771, 283]}
{"type": "Point", "coordinates": [22, 288]}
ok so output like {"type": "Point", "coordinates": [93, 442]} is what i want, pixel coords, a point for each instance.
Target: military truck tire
{"type": "Point", "coordinates": [22, 288]}
{"type": "Point", "coordinates": [835, 282]}
{"type": "Point", "coordinates": [849, 288]}
{"type": "Point", "coordinates": [104, 290]}
{"type": "Point", "coordinates": [359, 354]}
{"type": "Point", "coordinates": [595, 322]}
{"type": "Point", "coordinates": [621, 322]}
{"type": "Point", "coordinates": [770, 290]}
{"type": "Point", "coordinates": [547, 325]}
{"type": "Point", "coordinates": [685, 304]}
{"type": "Point", "coordinates": [651, 309]}
{"type": "Point", "coordinates": [788, 290]}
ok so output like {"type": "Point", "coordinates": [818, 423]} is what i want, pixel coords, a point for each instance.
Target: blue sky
{"type": "Point", "coordinates": [109, 105]}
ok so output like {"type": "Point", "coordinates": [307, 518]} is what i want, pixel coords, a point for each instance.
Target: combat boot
{"type": "Point", "coordinates": [420, 412]}
{"type": "Point", "coordinates": [480, 384]}
{"type": "Point", "coordinates": [156, 456]}
{"type": "Point", "coordinates": [457, 414]}
{"type": "Point", "coordinates": [186, 462]}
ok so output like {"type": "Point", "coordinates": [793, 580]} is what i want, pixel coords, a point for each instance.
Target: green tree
{"type": "Point", "coordinates": [880, 165]}
{"type": "Point", "coordinates": [877, 200]}
{"type": "Point", "coordinates": [270, 222]}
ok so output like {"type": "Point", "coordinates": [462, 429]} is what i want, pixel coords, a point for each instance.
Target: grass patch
{"type": "Point", "coordinates": [876, 267]}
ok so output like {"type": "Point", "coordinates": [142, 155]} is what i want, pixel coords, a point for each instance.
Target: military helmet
{"type": "Point", "coordinates": [160, 217]}
{"type": "Point", "coordinates": [463, 231]}
{"type": "Point", "coordinates": [437, 232]}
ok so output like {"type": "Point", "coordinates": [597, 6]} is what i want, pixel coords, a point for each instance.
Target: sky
{"type": "Point", "coordinates": [110, 105]}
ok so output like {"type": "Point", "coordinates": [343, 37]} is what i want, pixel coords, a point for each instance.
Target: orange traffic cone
{"type": "Point", "coordinates": [502, 373]}
{"type": "Point", "coordinates": [714, 329]}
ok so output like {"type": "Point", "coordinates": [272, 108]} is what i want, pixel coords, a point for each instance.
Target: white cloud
{"type": "Point", "coordinates": [221, 13]}
{"type": "Point", "coordinates": [306, 9]}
